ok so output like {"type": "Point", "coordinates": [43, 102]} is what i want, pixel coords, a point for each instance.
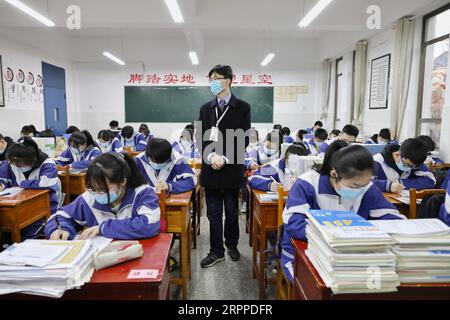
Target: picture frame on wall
{"type": "Point", "coordinates": [379, 82]}
{"type": "Point", "coordinates": [2, 91]}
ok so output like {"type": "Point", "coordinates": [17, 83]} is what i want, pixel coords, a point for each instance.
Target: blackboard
{"type": "Point", "coordinates": [182, 104]}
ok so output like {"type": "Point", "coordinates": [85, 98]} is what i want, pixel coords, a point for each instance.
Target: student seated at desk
{"type": "Point", "coordinates": [118, 204]}
{"type": "Point", "coordinates": [268, 151]}
{"type": "Point", "coordinates": [29, 168]}
{"type": "Point", "coordinates": [431, 145]}
{"type": "Point", "coordinates": [310, 131]}
{"type": "Point", "coordinates": [334, 134]}
{"type": "Point", "coordinates": [401, 167]}
{"type": "Point", "coordinates": [164, 169]}
{"type": "Point", "coordinates": [343, 183]}
{"type": "Point", "coordinates": [270, 176]}
{"type": "Point", "coordinates": [131, 139]}
{"type": "Point", "coordinates": [286, 132]}
{"type": "Point", "coordinates": [82, 150]}
{"type": "Point", "coordinates": [5, 142]}
{"type": "Point", "coordinates": [315, 145]}
{"type": "Point", "coordinates": [107, 143]}
{"type": "Point", "coordinates": [349, 134]}
{"type": "Point", "coordinates": [143, 129]}
{"type": "Point", "coordinates": [373, 139]}
{"type": "Point", "coordinates": [27, 132]}
{"type": "Point", "coordinates": [186, 146]}
{"type": "Point", "coordinates": [384, 137]}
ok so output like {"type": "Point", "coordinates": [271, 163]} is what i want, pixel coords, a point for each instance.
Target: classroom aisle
{"type": "Point", "coordinates": [227, 280]}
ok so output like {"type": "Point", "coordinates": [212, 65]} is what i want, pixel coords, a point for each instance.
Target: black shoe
{"type": "Point", "coordinates": [211, 260]}
{"type": "Point", "coordinates": [234, 253]}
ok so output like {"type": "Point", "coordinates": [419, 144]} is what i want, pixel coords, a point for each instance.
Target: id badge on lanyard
{"type": "Point", "coordinates": [215, 129]}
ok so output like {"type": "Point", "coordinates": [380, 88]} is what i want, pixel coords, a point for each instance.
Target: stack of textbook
{"type": "Point", "coordinates": [47, 268]}
{"type": "Point", "coordinates": [422, 248]}
{"type": "Point", "coordinates": [350, 254]}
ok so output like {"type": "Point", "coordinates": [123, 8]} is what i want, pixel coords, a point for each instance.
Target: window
{"type": "Point", "coordinates": [339, 109]}
{"type": "Point", "coordinates": [434, 68]}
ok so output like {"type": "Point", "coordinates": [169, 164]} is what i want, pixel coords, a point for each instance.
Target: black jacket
{"type": "Point", "coordinates": [237, 117]}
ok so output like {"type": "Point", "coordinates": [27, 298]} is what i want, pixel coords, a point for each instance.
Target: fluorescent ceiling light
{"type": "Point", "coordinates": [194, 58]}
{"type": "Point", "coordinates": [174, 10]}
{"type": "Point", "coordinates": [315, 11]}
{"type": "Point", "coordinates": [267, 59]}
{"type": "Point", "coordinates": [113, 58]}
{"type": "Point", "coordinates": [33, 13]}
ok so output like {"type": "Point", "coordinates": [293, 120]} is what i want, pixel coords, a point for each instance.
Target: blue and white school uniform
{"type": "Point", "coordinates": [115, 146]}
{"type": "Point", "coordinates": [314, 191]}
{"type": "Point", "coordinates": [444, 213]}
{"type": "Point", "coordinates": [137, 217]}
{"type": "Point", "coordinates": [262, 178]}
{"type": "Point", "coordinates": [370, 141]}
{"type": "Point", "coordinates": [187, 149]}
{"type": "Point", "coordinates": [259, 157]}
{"type": "Point", "coordinates": [288, 139]}
{"type": "Point", "coordinates": [43, 177]}
{"type": "Point", "coordinates": [78, 161]}
{"type": "Point", "coordinates": [446, 181]}
{"type": "Point", "coordinates": [176, 173]}
{"type": "Point", "coordinates": [137, 142]}
{"type": "Point", "coordinates": [316, 148]}
{"type": "Point", "coordinates": [385, 175]}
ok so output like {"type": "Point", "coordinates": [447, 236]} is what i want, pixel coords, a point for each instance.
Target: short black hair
{"type": "Point", "coordinates": [25, 152]}
{"type": "Point", "coordinates": [72, 129]}
{"type": "Point", "coordinates": [114, 167]}
{"type": "Point", "coordinates": [325, 167]}
{"type": "Point", "coordinates": [127, 132]}
{"type": "Point", "coordinates": [352, 160]}
{"type": "Point", "coordinates": [277, 127]}
{"type": "Point", "coordinates": [286, 131]}
{"type": "Point", "coordinates": [105, 135]}
{"type": "Point", "coordinates": [385, 134]}
{"type": "Point", "coordinates": [223, 70]}
{"type": "Point", "coordinates": [318, 123]}
{"type": "Point", "coordinates": [47, 133]}
{"type": "Point", "coordinates": [159, 150]}
{"type": "Point", "coordinates": [79, 138]}
{"type": "Point", "coordinates": [414, 150]}
{"type": "Point", "coordinates": [296, 148]}
{"type": "Point", "coordinates": [143, 128]}
{"type": "Point", "coordinates": [301, 133]}
{"type": "Point", "coordinates": [321, 134]}
{"type": "Point", "coordinates": [428, 142]}
{"type": "Point", "coordinates": [374, 137]}
{"type": "Point", "coordinates": [114, 123]}
{"type": "Point", "coordinates": [336, 132]}
{"type": "Point", "coordinates": [27, 130]}
{"type": "Point", "coordinates": [35, 132]}
{"type": "Point", "coordinates": [351, 130]}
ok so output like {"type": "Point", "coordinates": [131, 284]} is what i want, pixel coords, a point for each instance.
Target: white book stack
{"type": "Point", "coordinates": [350, 254]}
{"type": "Point", "coordinates": [47, 268]}
{"type": "Point", "coordinates": [422, 248]}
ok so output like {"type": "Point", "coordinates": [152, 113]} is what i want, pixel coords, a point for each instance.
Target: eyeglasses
{"type": "Point", "coordinates": [413, 167]}
{"type": "Point", "coordinates": [212, 79]}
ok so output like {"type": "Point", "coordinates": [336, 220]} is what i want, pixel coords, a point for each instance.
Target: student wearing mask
{"type": "Point", "coordinates": [164, 169]}
{"type": "Point", "coordinates": [26, 132]}
{"type": "Point", "coordinates": [349, 134]}
{"type": "Point", "coordinates": [185, 145]}
{"type": "Point", "coordinates": [431, 146]}
{"type": "Point", "coordinates": [5, 142]}
{"type": "Point", "coordinates": [107, 143]}
{"type": "Point", "coordinates": [129, 138]}
{"type": "Point", "coordinates": [82, 150]}
{"type": "Point", "coordinates": [343, 183]}
{"type": "Point", "coordinates": [401, 167]}
{"type": "Point", "coordinates": [286, 132]}
{"type": "Point", "coordinates": [373, 139]}
{"type": "Point", "coordinates": [270, 176]}
{"type": "Point", "coordinates": [29, 168]}
{"type": "Point", "coordinates": [268, 151]}
{"type": "Point", "coordinates": [143, 129]}
{"type": "Point", "coordinates": [334, 135]}
{"type": "Point", "coordinates": [311, 131]}
{"type": "Point", "coordinates": [118, 204]}
{"type": "Point", "coordinates": [315, 145]}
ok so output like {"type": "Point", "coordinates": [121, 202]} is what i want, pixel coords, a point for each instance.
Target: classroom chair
{"type": "Point", "coordinates": [283, 286]}
{"type": "Point", "coordinates": [415, 195]}
{"type": "Point", "coordinates": [162, 196]}
{"type": "Point", "coordinates": [66, 183]}
{"type": "Point", "coordinates": [440, 166]}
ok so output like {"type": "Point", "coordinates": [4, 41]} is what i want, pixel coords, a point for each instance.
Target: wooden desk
{"type": "Point", "coordinates": [197, 198]}
{"type": "Point", "coordinates": [264, 220]}
{"type": "Point", "coordinates": [179, 221]}
{"type": "Point", "coordinates": [308, 285]}
{"type": "Point", "coordinates": [22, 210]}
{"type": "Point", "coordinates": [77, 183]}
{"type": "Point", "coordinates": [112, 283]}
{"type": "Point", "coordinates": [402, 207]}
{"type": "Point", "coordinates": [195, 163]}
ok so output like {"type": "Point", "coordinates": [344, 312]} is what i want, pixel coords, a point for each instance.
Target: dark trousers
{"type": "Point", "coordinates": [216, 200]}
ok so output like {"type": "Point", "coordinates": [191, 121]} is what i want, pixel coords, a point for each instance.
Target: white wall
{"type": "Point", "coordinates": [16, 114]}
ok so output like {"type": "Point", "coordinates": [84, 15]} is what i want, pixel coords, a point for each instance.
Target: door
{"type": "Point", "coordinates": [55, 104]}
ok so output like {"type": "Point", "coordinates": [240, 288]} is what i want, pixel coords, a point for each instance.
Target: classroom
{"type": "Point", "coordinates": [224, 150]}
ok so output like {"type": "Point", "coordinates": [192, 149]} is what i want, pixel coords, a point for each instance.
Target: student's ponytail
{"type": "Point", "coordinates": [135, 179]}
{"type": "Point", "coordinates": [89, 140]}
{"type": "Point", "coordinates": [326, 166]}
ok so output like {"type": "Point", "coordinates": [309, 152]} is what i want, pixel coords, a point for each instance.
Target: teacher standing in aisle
{"type": "Point", "coordinates": [223, 155]}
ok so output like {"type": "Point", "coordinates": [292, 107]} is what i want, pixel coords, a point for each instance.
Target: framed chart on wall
{"type": "Point", "coordinates": [2, 93]}
{"type": "Point", "coordinates": [379, 82]}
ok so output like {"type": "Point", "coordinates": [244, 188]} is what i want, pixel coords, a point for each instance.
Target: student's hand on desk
{"type": "Point", "coordinates": [59, 234]}
{"type": "Point", "coordinates": [161, 186]}
{"type": "Point", "coordinates": [89, 233]}
{"type": "Point", "coordinates": [274, 186]}
{"type": "Point", "coordinates": [397, 187]}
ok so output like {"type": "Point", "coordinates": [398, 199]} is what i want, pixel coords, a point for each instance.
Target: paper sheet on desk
{"type": "Point", "coordinates": [425, 227]}
{"type": "Point", "coordinates": [31, 254]}
{"type": "Point", "coordinates": [10, 192]}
